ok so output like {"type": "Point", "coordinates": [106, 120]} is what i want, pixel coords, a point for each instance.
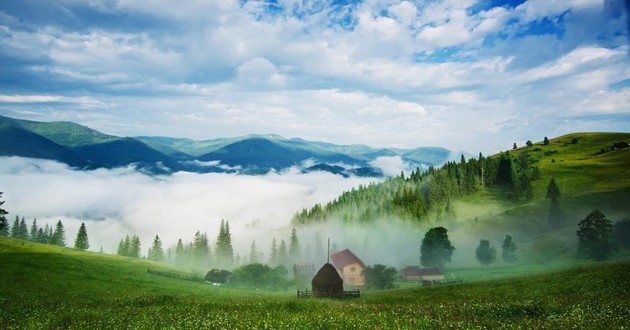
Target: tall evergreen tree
{"type": "Point", "coordinates": [156, 253]}
{"type": "Point", "coordinates": [283, 253]}
{"type": "Point", "coordinates": [546, 141]}
{"type": "Point", "coordinates": [134, 250]}
{"type": "Point", "coordinates": [253, 254]}
{"type": "Point", "coordinates": [180, 257]}
{"type": "Point", "coordinates": [4, 223]}
{"type": "Point", "coordinates": [294, 246]}
{"type": "Point", "coordinates": [201, 250]}
{"type": "Point", "coordinates": [319, 254]}
{"type": "Point", "coordinates": [273, 254]}
{"type": "Point", "coordinates": [555, 218]}
{"type": "Point", "coordinates": [509, 250]}
{"type": "Point", "coordinates": [124, 247]}
{"type": "Point", "coordinates": [15, 229]}
{"type": "Point", "coordinates": [81, 242]}
{"type": "Point", "coordinates": [486, 253]}
{"type": "Point", "coordinates": [33, 233]}
{"type": "Point", "coordinates": [59, 236]}
{"type": "Point", "coordinates": [23, 232]}
{"type": "Point", "coordinates": [224, 251]}
{"type": "Point", "coordinates": [436, 248]}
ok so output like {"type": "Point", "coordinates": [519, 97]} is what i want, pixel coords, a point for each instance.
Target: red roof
{"type": "Point", "coordinates": [344, 258]}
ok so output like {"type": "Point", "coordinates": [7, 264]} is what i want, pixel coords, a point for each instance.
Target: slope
{"type": "Point", "coordinates": [20, 142]}
{"type": "Point", "coordinates": [53, 287]}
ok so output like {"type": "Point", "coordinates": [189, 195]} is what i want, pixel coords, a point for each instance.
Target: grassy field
{"type": "Point", "coordinates": [52, 287]}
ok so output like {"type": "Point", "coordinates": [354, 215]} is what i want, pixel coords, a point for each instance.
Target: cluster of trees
{"type": "Point", "coordinates": [429, 194]}
{"type": "Point", "coordinates": [259, 276]}
{"type": "Point", "coordinates": [599, 239]}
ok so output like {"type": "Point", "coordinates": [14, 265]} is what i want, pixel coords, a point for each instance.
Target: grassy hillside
{"type": "Point", "coordinates": [53, 287]}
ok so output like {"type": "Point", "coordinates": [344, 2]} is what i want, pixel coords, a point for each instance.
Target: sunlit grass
{"type": "Point", "coordinates": [51, 287]}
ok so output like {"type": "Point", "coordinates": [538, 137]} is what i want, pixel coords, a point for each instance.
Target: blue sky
{"type": "Point", "coordinates": [466, 75]}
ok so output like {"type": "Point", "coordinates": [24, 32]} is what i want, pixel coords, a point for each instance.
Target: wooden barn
{"type": "Point", "coordinates": [417, 274]}
{"type": "Point", "coordinates": [349, 266]}
{"type": "Point", "coordinates": [218, 276]}
{"type": "Point", "coordinates": [327, 282]}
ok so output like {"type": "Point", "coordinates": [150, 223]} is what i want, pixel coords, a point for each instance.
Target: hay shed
{"type": "Point", "coordinates": [327, 282]}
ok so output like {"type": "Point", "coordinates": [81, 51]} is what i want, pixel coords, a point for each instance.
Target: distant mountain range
{"type": "Point", "coordinates": [84, 148]}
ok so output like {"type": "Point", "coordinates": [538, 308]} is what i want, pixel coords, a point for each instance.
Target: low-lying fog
{"type": "Point", "coordinates": [118, 202]}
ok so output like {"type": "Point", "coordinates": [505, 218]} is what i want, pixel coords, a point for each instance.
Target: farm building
{"type": "Point", "coordinates": [417, 274]}
{"type": "Point", "coordinates": [349, 266]}
{"type": "Point", "coordinates": [327, 282]}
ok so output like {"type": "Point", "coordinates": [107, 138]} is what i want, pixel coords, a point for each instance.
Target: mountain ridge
{"type": "Point", "coordinates": [85, 148]}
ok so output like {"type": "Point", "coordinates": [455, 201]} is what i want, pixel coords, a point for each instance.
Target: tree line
{"type": "Point", "coordinates": [429, 194]}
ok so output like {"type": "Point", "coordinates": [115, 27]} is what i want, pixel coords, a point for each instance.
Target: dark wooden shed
{"type": "Point", "coordinates": [327, 282]}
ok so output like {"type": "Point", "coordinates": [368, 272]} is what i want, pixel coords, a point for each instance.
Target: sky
{"type": "Point", "coordinates": [461, 74]}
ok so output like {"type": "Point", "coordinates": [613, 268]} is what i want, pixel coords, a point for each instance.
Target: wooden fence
{"type": "Point", "coordinates": [187, 277]}
{"type": "Point", "coordinates": [346, 294]}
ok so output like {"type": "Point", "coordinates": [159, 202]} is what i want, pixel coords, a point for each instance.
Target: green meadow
{"type": "Point", "coordinates": [60, 288]}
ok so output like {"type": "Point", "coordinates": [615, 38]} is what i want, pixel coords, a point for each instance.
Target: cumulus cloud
{"type": "Point", "coordinates": [114, 203]}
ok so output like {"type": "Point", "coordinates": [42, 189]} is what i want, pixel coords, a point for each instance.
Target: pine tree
{"type": "Point", "coordinates": [486, 254]}
{"type": "Point", "coordinates": [283, 253]}
{"type": "Point", "coordinates": [180, 256]}
{"type": "Point", "coordinates": [294, 246]}
{"type": "Point", "coordinates": [509, 250]}
{"type": "Point", "coordinates": [223, 250]}
{"type": "Point", "coordinates": [59, 236]}
{"type": "Point", "coordinates": [81, 242]}
{"type": "Point", "coordinates": [124, 246]}
{"type": "Point", "coordinates": [555, 218]}
{"type": "Point", "coordinates": [33, 234]}
{"type": "Point", "coordinates": [135, 248]}
{"type": "Point", "coordinates": [253, 254]}
{"type": "Point", "coordinates": [156, 253]}
{"type": "Point", "coordinates": [273, 254]}
{"type": "Point", "coordinates": [546, 141]}
{"type": "Point", "coordinates": [23, 232]}
{"type": "Point", "coordinates": [15, 229]}
{"type": "Point", "coordinates": [4, 223]}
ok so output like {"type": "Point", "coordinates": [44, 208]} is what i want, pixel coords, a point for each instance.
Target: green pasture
{"type": "Point", "coordinates": [58, 288]}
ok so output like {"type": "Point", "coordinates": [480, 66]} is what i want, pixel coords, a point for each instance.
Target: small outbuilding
{"type": "Point", "coordinates": [327, 282]}
{"type": "Point", "coordinates": [417, 274]}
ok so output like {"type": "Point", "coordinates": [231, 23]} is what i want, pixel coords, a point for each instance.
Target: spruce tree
{"type": "Point", "coordinates": [180, 256]}
{"type": "Point", "coordinates": [156, 253]}
{"type": "Point", "coordinates": [283, 253]}
{"type": "Point", "coordinates": [59, 236]}
{"type": "Point", "coordinates": [294, 246]}
{"type": "Point", "coordinates": [486, 254]}
{"type": "Point", "coordinates": [595, 237]}
{"type": "Point", "coordinates": [273, 254]}
{"type": "Point", "coordinates": [135, 248]}
{"type": "Point", "coordinates": [509, 250]}
{"type": "Point", "coordinates": [124, 246]}
{"type": "Point", "coordinates": [33, 233]}
{"type": "Point", "coordinates": [23, 232]}
{"type": "Point", "coordinates": [546, 141]}
{"type": "Point", "coordinates": [81, 242]}
{"type": "Point", "coordinates": [15, 229]}
{"type": "Point", "coordinates": [253, 254]}
{"type": "Point", "coordinates": [555, 218]}
{"type": "Point", "coordinates": [224, 251]}
{"type": "Point", "coordinates": [4, 223]}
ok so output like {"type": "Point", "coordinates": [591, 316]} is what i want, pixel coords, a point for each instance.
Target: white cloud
{"type": "Point", "coordinates": [114, 203]}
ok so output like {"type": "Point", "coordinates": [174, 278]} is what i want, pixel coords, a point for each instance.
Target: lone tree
{"type": "Point", "coordinates": [436, 249]}
{"type": "Point", "coordinates": [546, 141]}
{"type": "Point", "coordinates": [81, 242]}
{"type": "Point", "coordinates": [555, 218]}
{"type": "Point", "coordinates": [508, 252]}
{"type": "Point", "coordinates": [595, 237]}
{"type": "Point", "coordinates": [380, 277]}
{"type": "Point", "coordinates": [4, 223]}
{"type": "Point", "coordinates": [486, 254]}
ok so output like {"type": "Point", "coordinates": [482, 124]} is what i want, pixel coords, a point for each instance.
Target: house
{"type": "Point", "coordinates": [417, 274]}
{"type": "Point", "coordinates": [349, 267]}
{"type": "Point", "coordinates": [327, 282]}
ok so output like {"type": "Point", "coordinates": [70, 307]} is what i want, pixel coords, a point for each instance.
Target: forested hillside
{"type": "Point", "coordinates": [583, 163]}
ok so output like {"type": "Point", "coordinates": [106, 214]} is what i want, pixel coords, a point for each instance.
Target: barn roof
{"type": "Point", "coordinates": [344, 258]}
{"type": "Point", "coordinates": [414, 270]}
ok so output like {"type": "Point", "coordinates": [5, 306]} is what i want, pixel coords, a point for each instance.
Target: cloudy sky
{"type": "Point", "coordinates": [463, 74]}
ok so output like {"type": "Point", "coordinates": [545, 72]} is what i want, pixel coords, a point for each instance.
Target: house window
{"type": "Point", "coordinates": [352, 269]}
